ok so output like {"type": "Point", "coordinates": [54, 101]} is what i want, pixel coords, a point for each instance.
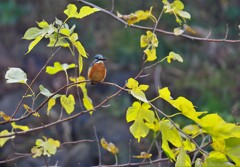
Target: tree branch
{"type": "Point", "coordinates": [159, 30]}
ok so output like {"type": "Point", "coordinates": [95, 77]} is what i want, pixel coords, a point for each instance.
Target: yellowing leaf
{"type": "Point", "coordinates": [80, 64]}
{"type": "Point", "coordinates": [214, 125]}
{"type": "Point", "coordinates": [216, 158]}
{"type": "Point", "coordinates": [4, 116]}
{"type": "Point", "coordinates": [21, 127]}
{"type": "Point", "coordinates": [151, 54]}
{"type": "Point", "coordinates": [80, 49]}
{"type": "Point", "coordinates": [86, 10]}
{"type": "Point", "coordinates": [178, 31]}
{"type": "Point", "coordinates": [3, 140]}
{"type": "Point", "coordinates": [218, 145]}
{"type": "Point", "coordinates": [51, 103]}
{"type": "Point", "coordinates": [151, 42]}
{"type": "Point", "coordinates": [181, 103]}
{"type": "Point", "coordinates": [183, 159]}
{"type": "Point", "coordinates": [71, 11]}
{"type": "Point", "coordinates": [68, 103]}
{"type": "Point", "coordinates": [87, 102]}
{"type": "Point", "coordinates": [29, 109]}
{"type": "Point", "coordinates": [45, 147]}
{"type": "Point", "coordinates": [192, 130]}
{"type": "Point", "coordinates": [109, 146]}
{"type": "Point", "coordinates": [58, 67]}
{"type": "Point", "coordinates": [141, 115]}
{"type": "Point", "coordinates": [233, 149]}
{"type": "Point", "coordinates": [137, 16]}
{"type": "Point", "coordinates": [143, 155]}
{"type": "Point", "coordinates": [169, 134]}
{"type": "Point", "coordinates": [155, 125]}
{"type": "Point", "coordinates": [16, 75]}
{"type": "Point", "coordinates": [34, 43]}
{"type": "Point", "coordinates": [176, 8]}
{"type": "Point", "coordinates": [43, 24]}
{"type": "Point", "coordinates": [189, 146]}
{"type": "Point", "coordinates": [174, 56]}
{"type": "Point", "coordinates": [137, 90]}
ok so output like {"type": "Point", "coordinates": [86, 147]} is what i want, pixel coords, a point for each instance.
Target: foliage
{"type": "Point", "coordinates": [145, 117]}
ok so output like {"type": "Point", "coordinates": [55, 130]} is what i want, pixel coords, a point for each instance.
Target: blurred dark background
{"type": "Point", "coordinates": [209, 75]}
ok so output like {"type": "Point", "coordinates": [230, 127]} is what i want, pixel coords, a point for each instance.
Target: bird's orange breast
{"type": "Point", "coordinates": [97, 72]}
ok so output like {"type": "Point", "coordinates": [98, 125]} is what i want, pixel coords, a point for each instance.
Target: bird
{"type": "Point", "coordinates": [97, 70]}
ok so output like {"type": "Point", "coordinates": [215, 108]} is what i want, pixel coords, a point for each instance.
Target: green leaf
{"type": "Point", "coordinates": [16, 75]}
{"type": "Point", "coordinates": [58, 67]}
{"type": "Point", "coordinates": [183, 159]}
{"type": "Point", "coordinates": [44, 91]}
{"type": "Point", "coordinates": [3, 140]}
{"type": "Point", "coordinates": [141, 115]}
{"type": "Point", "coordinates": [68, 103]}
{"type": "Point", "coordinates": [21, 127]}
{"type": "Point", "coordinates": [33, 33]}
{"type": "Point", "coordinates": [86, 10]}
{"type": "Point", "coordinates": [46, 147]}
{"type": "Point", "coordinates": [71, 11]}
{"type": "Point", "coordinates": [216, 158]}
{"type": "Point", "coordinates": [34, 43]}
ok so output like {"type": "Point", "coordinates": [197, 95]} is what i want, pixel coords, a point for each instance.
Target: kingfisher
{"type": "Point", "coordinates": [97, 70]}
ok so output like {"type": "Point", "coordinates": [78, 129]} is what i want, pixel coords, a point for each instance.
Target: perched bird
{"type": "Point", "coordinates": [97, 70]}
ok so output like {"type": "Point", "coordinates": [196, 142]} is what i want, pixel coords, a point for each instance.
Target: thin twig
{"type": "Point", "coordinates": [98, 145]}
{"type": "Point", "coordinates": [77, 142]}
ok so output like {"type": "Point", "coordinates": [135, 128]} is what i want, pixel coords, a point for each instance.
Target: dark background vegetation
{"type": "Point", "coordinates": [209, 76]}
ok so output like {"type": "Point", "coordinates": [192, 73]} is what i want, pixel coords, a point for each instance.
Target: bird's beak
{"type": "Point", "coordinates": [103, 59]}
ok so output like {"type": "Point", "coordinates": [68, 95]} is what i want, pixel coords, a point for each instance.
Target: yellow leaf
{"type": "Point", "coordinates": [192, 130]}
{"type": "Point", "coordinates": [151, 54]}
{"type": "Point", "coordinates": [139, 94]}
{"type": "Point", "coordinates": [218, 144]}
{"type": "Point", "coordinates": [86, 10]}
{"type": "Point", "coordinates": [46, 147]}
{"type": "Point", "coordinates": [29, 109]}
{"type": "Point", "coordinates": [80, 64]}
{"type": "Point", "coordinates": [4, 116]}
{"type": "Point", "coordinates": [68, 103]}
{"type": "Point", "coordinates": [141, 115]}
{"type": "Point", "coordinates": [87, 102]}
{"type": "Point", "coordinates": [216, 158]}
{"type": "Point", "coordinates": [80, 48]}
{"type": "Point", "coordinates": [132, 83]}
{"type": "Point", "coordinates": [189, 146]}
{"type": "Point", "coordinates": [109, 146]}
{"type": "Point", "coordinates": [51, 103]}
{"type": "Point", "coordinates": [143, 155]}
{"type": "Point", "coordinates": [34, 43]}
{"type": "Point", "coordinates": [21, 127]}
{"type": "Point", "coordinates": [174, 56]}
{"type": "Point", "coordinates": [233, 149]}
{"type": "Point", "coordinates": [183, 159]}
{"type": "Point", "coordinates": [181, 103]}
{"type": "Point", "coordinates": [137, 16]}
{"type": "Point", "coordinates": [214, 125]}
{"type": "Point", "coordinates": [71, 11]}
{"type": "Point", "coordinates": [137, 91]}
{"type": "Point", "coordinates": [155, 125]}
{"type": "Point", "coordinates": [3, 140]}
